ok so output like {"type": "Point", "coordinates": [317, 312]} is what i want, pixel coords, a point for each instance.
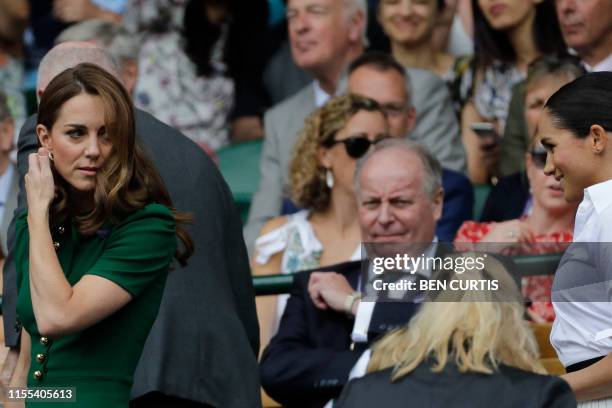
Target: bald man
{"type": "Point", "coordinates": [202, 349]}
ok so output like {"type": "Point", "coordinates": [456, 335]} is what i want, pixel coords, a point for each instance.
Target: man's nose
{"type": "Point", "coordinates": [385, 217]}
{"type": "Point", "coordinates": [300, 23]}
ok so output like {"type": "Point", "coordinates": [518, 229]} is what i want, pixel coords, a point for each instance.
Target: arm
{"type": "Point", "coordinates": [294, 368]}
{"type": "Point", "coordinates": [593, 382]}
{"type": "Point", "coordinates": [482, 155]}
{"type": "Point", "coordinates": [515, 142]}
{"type": "Point", "coordinates": [19, 374]}
{"type": "Point", "coordinates": [266, 305]}
{"type": "Point", "coordinates": [70, 11]}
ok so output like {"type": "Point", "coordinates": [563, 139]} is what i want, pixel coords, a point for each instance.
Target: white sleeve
{"type": "Point", "coordinates": [361, 366]}
{"type": "Point", "coordinates": [362, 322]}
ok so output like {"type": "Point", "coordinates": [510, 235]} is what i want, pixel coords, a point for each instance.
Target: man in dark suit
{"type": "Point", "coordinates": [325, 325]}
{"type": "Point", "coordinates": [202, 349]}
{"type": "Point", "coordinates": [380, 77]}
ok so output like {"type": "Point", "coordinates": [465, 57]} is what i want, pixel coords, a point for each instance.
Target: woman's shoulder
{"type": "Point", "coordinates": [152, 217]}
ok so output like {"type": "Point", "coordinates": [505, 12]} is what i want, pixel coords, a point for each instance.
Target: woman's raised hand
{"type": "Point", "coordinates": [40, 187]}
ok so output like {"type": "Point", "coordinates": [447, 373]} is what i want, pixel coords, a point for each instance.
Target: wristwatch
{"type": "Point", "coordinates": [350, 299]}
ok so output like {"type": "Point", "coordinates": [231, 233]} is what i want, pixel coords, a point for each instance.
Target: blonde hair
{"type": "Point", "coordinates": [477, 329]}
{"type": "Point", "coordinates": [307, 175]}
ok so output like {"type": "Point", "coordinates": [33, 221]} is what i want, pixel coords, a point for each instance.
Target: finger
{"type": "Point", "coordinates": [33, 165]}
{"type": "Point", "coordinates": [45, 164]}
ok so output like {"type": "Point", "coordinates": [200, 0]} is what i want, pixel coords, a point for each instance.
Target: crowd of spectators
{"type": "Point", "coordinates": [457, 86]}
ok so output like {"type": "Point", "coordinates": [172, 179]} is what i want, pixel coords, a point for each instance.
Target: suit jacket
{"type": "Point", "coordinates": [507, 388]}
{"type": "Point", "coordinates": [9, 207]}
{"type": "Point", "coordinates": [309, 359]}
{"type": "Point", "coordinates": [507, 199]}
{"type": "Point", "coordinates": [204, 342]}
{"type": "Point", "coordinates": [436, 128]}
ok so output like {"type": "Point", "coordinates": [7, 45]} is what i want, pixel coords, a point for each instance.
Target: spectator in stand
{"type": "Point", "coordinates": [545, 76]}
{"type": "Point", "coordinates": [410, 26]}
{"type": "Point", "coordinates": [9, 178]}
{"type": "Point", "coordinates": [587, 29]}
{"type": "Point", "coordinates": [326, 232]}
{"type": "Point", "coordinates": [508, 36]}
{"type": "Point", "coordinates": [466, 349]}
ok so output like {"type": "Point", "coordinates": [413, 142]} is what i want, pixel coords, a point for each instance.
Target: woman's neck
{"type": "Point", "coordinates": [420, 55]}
{"type": "Point", "coordinates": [543, 222]}
{"type": "Point", "coordinates": [341, 214]}
{"type": "Point", "coordinates": [523, 41]}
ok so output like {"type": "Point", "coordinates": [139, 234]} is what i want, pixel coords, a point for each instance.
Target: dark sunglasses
{"type": "Point", "coordinates": [357, 146]}
{"type": "Point", "coordinates": [538, 158]}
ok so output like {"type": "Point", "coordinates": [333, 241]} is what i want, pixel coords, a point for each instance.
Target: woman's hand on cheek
{"type": "Point", "coordinates": [40, 187]}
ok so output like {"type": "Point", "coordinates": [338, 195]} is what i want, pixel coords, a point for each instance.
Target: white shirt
{"type": "Point", "coordinates": [321, 97]}
{"type": "Point", "coordinates": [363, 315]}
{"type": "Point", "coordinates": [582, 290]}
{"type": "Point", "coordinates": [605, 65]}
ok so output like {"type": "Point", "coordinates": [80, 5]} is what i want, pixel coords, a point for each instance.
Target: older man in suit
{"type": "Point", "coordinates": [202, 349]}
{"type": "Point", "coordinates": [325, 36]}
{"type": "Point", "coordinates": [325, 325]}
{"type": "Point", "coordinates": [9, 180]}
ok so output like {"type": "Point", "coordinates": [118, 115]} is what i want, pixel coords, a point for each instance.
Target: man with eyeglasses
{"type": "Point", "coordinates": [325, 36]}
{"type": "Point", "coordinates": [380, 77]}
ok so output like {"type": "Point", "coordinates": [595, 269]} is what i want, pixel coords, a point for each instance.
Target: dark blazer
{"type": "Point", "coordinates": [458, 204]}
{"type": "Point", "coordinates": [508, 388]}
{"type": "Point", "coordinates": [308, 361]}
{"type": "Point", "coordinates": [204, 343]}
{"type": "Point", "coordinates": [507, 199]}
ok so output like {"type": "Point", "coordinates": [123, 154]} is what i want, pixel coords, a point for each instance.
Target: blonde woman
{"type": "Point", "coordinates": [465, 349]}
{"type": "Point", "coordinates": [326, 231]}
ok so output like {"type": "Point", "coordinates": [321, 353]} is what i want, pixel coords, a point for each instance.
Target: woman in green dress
{"type": "Point", "coordinates": [94, 248]}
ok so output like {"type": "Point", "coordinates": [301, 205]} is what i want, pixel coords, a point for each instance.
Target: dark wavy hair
{"type": "Point", "coordinates": [128, 181]}
{"type": "Point", "coordinates": [491, 44]}
{"type": "Point", "coordinates": [582, 103]}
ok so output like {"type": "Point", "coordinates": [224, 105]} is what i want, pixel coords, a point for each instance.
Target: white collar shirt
{"type": "Point", "coordinates": [583, 325]}
{"type": "Point", "coordinates": [604, 65]}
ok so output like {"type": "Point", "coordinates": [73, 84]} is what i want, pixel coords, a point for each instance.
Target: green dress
{"type": "Point", "coordinates": [99, 362]}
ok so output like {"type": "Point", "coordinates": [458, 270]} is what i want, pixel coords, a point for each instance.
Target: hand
{"type": "Point", "coordinates": [70, 11]}
{"type": "Point", "coordinates": [39, 184]}
{"type": "Point", "coordinates": [509, 234]}
{"type": "Point", "coordinates": [246, 128]}
{"type": "Point", "coordinates": [328, 290]}
{"type": "Point", "coordinates": [489, 151]}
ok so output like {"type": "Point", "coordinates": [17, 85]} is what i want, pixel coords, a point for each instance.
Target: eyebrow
{"type": "Point", "coordinates": [75, 125]}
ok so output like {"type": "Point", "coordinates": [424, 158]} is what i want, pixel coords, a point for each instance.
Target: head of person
{"type": "Point", "coordinates": [333, 138]}
{"type": "Point", "coordinates": [114, 38]}
{"type": "Point", "coordinates": [7, 127]}
{"type": "Point", "coordinates": [409, 22]}
{"type": "Point", "coordinates": [494, 21]}
{"type": "Point", "coordinates": [475, 330]}
{"type": "Point", "coordinates": [575, 127]}
{"type": "Point", "coordinates": [587, 27]}
{"type": "Point", "coordinates": [324, 33]}
{"type": "Point", "coordinates": [399, 193]}
{"type": "Point", "coordinates": [69, 54]}
{"type": "Point", "coordinates": [86, 123]}
{"type": "Point", "coordinates": [379, 76]}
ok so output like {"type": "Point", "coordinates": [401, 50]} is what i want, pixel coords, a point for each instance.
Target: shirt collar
{"type": "Point", "coordinates": [599, 195]}
{"type": "Point", "coordinates": [321, 97]}
{"type": "Point", "coordinates": [604, 65]}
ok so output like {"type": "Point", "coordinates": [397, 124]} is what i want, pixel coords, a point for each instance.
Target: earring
{"type": "Point", "coordinates": [50, 155]}
{"type": "Point", "coordinates": [329, 179]}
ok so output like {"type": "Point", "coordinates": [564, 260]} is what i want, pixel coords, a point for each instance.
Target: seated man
{"type": "Point", "coordinates": [380, 77]}
{"type": "Point", "coordinates": [325, 325]}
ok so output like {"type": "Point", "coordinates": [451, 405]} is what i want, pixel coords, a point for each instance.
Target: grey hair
{"type": "Point", "coordinates": [68, 55]}
{"type": "Point", "coordinates": [5, 112]}
{"type": "Point", "coordinates": [111, 36]}
{"type": "Point", "coordinates": [432, 181]}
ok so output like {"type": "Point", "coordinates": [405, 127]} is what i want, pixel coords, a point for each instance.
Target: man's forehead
{"type": "Point", "coordinates": [382, 82]}
{"type": "Point", "coordinates": [308, 3]}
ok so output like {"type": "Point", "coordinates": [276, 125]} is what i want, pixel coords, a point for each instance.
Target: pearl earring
{"type": "Point", "coordinates": [329, 178]}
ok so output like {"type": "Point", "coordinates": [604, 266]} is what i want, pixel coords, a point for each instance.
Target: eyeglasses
{"type": "Point", "coordinates": [538, 158]}
{"type": "Point", "coordinates": [357, 146]}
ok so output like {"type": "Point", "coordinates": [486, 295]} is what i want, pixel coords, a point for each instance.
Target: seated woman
{"type": "Point", "coordinates": [93, 249]}
{"type": "Point", "coordinates": [327, 231]}
{"type": "Point", "coordinates": [465, 349]}
{"type": "Point", "coordinates": [410, 28]}
{"type": "Point", "coordinates": [507, 38]}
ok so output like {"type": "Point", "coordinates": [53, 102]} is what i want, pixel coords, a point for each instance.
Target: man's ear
{"type": "Point", "coordinates": [438, 203]}
{"type": "Point", "coordinates": [44, 137]}
{"type": "Point", "coordinates": [598, 139]}
{"type": "Point", "coordinates": [357, 26]}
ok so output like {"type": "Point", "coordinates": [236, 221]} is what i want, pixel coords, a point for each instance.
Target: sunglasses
{"type": "Point", "coordinates": [357, 146]}
{"type": "Point", "coordinates": [538, 158]}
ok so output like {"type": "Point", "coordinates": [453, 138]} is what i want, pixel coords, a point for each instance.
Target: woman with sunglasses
{"type": "Point", "coordinates": [544, 217]}
{"type": "Point", "coordinates": [326, 231]}
{"type": "Point", "coordinates": [576, 130]}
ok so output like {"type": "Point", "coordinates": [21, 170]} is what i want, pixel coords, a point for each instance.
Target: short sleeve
{"type": "Point", "coordinates": [139, 249]}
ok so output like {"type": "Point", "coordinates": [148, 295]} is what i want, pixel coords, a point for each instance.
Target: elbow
{"type": "Point", "coordinates": [53, 326]}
